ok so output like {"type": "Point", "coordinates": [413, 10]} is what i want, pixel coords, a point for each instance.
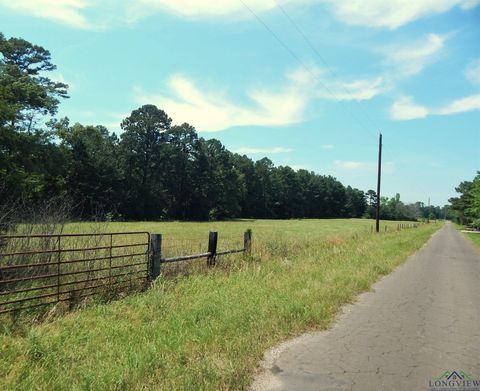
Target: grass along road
{"type": "Point", "coordinates": [391, 336]}
{"type": "Point", "coordinates": [474, 237]}
{"type": "Point", "coordinates": [208, 330]}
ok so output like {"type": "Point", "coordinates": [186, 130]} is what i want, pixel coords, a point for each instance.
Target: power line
{"type": "Point", "coordinates": [322, 59]}
{"type": "Point", "coordinates": [285, 46]}
{"type": "Point", "coordinates": [315, 76]}
{"type": "Point", "coordinates": [330, 69]}
{"type": "Point", "coordinates": [292, 53]}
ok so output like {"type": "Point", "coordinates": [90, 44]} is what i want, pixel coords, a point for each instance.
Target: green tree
{"type": "Point", "coordinates": [466, 207]}
{"type": "Point", "coordinates": [252, 201]}
{"type": "Point", "coordinates": [30, 166]}
{"type": "Point", "coordinates": [92, 177]}
{"type": "Point", "coordinates": [286, 194]}
{"type": "Point", "coordinates": [222, 184]}
{"type": "Point", "coordinates": [143, 162]}
{"type": "Point", "coordinates": [181, 157]}
{"type": "Point", "coordinates": [333, 197]}
{"type": "Point", "coordinates": [264, 169]}
{"type": "Point", "coordinates": [26, 94]}
{"type": "Point", "coordinates": [356, 204]}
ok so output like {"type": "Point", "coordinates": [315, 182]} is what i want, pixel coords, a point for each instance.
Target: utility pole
{"type": "Point", "coordinates": [377, 224]}
{"type": "Point", "coordinates": [428, 213]}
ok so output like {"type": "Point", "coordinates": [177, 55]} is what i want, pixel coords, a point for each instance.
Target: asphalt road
{"type": "Point", "coordinates": [417, 323]}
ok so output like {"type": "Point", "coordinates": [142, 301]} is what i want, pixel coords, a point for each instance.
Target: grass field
{"type": "Point", "coordinates": [208, 330]}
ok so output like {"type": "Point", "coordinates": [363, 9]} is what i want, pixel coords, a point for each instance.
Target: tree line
{"type": "Point", "coordinates": [466, 207]}
{"type": "Point", "coordinates": [153, 170]}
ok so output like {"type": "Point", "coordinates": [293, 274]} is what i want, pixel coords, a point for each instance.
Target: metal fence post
{"type": "Point", "coordinates": [59, 257]}
{"type": "Point", "coordinates": [247, 241]}
{"type": "Point", "coordinates": [212, 248]}
{"type": "Point", "coordinates": [156, 256]}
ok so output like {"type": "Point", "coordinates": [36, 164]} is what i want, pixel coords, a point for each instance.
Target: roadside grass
{"type": "Point", "coordinates": [475, 238]}
{"type": "Point", "coordinates": [208, 330]}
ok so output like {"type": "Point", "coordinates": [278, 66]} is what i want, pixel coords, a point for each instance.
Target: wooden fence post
{"type": "Point", "coordinates": [212, 248]}
{"type": "Point", "coordinates": [247, 241]}
{"type": "Point", "coordinates": [156, 256]}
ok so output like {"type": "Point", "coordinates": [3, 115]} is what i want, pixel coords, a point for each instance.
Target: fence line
{"type": "Point", "coordinates": [210, 255]}
{"type": "Point", "coordinates": [45, 269]}
{"type": "Point", "coordinates": [399, 226]}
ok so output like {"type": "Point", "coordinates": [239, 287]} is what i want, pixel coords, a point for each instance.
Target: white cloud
{"type": "Point", "coordinates": [405, 109]}
{"type": "Point", "coordinates": [359, 167]}
{"type": "Point", "coordinates": [305, 76]}
{"type": "Point", "coordinates": [328, 146]}
{"type": "Point", "coordinates": [412, 58]}
{"type": "Point", "coordinates": [392, 13]}
{"type": "Point", "coordinates": [462, 105]}
{"type": "Point", "coordinates": [362, 89]}
{"type": "Point", "coordinates": [472, 72]}
{"type": "Point", "coordinates": [353, 165]}
{"type": "Point", "coordinates": [198, 8]}
{"type": "Point", "coordinates": [253, 150]}
{"type": "Point", "coordinates": [297, 167]}
{"type": "Point", "coordinates": [371, 13]}
{"type": "Point", "coordinates": [64, 11]}
{"type": "Point", "coordinates": [212, 111]}
{"type": "Point", "coordinates": [338, 90]}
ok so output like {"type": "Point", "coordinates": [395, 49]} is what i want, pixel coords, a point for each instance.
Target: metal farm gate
{"type": "Point", "coordinates": [39, 270]}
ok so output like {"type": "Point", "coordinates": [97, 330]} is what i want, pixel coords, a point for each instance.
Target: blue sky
{"type": "Point", "coordinates": [308, 83]}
